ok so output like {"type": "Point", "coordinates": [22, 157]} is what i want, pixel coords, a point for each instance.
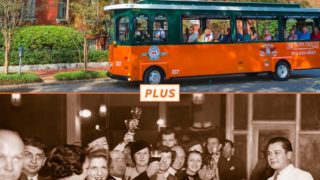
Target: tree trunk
{"type": "Point", "coordinates": [7, 40]}
{"type": "Point", "coordinates": [85, 53]}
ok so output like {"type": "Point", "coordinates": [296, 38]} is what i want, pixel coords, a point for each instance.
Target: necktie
{"type": "Point", "coordinates": [276, 176]}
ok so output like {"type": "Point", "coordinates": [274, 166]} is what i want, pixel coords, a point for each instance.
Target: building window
{"type": "Point", "coordinates": [29, 11]}
{"type": "Point", "coordinates": [92, 43]}
{"type": "Point", "coordinates": [62, 9]}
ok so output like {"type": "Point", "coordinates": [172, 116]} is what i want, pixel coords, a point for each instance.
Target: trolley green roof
{"type": "Point", "coordinates": [213, 6]}
{"type": "Point", "coordinates": [219, 3]}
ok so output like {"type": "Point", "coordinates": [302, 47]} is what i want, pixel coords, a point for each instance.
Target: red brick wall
{"type": "Point", "coordinates": [47, 12]}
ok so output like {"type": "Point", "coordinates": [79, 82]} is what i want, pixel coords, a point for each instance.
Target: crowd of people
{"type": "Point", "coordinates": [304, 34]}
{"type": "Point", "coordinates": [214, 159]}
{"type": "Point", "coordinates": [193, 34]}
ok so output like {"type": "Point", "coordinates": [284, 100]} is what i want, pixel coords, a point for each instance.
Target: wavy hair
{"type": "Point", "coordinates": [66, 160]}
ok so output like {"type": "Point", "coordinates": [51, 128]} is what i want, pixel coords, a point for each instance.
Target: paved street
{"type": "Point", "coordinates": [301, 81]}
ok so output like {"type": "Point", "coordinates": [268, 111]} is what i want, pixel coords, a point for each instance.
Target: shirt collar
{"type": "Point", "coordinates": [33, 178]}
{"type": "Point", "coordinates": [284, 172]}
{"type": "Point", "coordinates": [117, 178]}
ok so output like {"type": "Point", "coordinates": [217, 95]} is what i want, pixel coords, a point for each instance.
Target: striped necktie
{"type": "Point", "coordinates": [276, 176]}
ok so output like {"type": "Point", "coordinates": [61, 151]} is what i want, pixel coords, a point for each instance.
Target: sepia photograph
{"type": "Point", "coordinates": [159, 89]}
{"type": "Point", "coordinates": [203, 136]}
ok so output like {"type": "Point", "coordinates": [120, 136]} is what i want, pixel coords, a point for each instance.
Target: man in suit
{"type": "Point", "coordinates": [34, 159]}
{"type": "Point", "coordinates": [168, 137]}
{"type": "Point", "coordinates": [117, 165]}
{"type": "Point", "coordinates": [167, 156]}
{"type": "Point", "coordinates": [233, 166]}
{"type": "Point", "coordinates": [279, 154]}
{"type": "Point", "coordinates": [212, 159]}
{"type": "Point", "coordinates": [11, 155]}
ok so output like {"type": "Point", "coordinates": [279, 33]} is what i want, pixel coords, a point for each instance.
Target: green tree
{"type": "Point", "coordinates": [88, 19]}
{"type": "Point", "coordinates": [13, 15]}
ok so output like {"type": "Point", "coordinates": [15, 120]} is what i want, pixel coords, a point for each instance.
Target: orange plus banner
{"type": "Point", "coordinates": [159, 93]}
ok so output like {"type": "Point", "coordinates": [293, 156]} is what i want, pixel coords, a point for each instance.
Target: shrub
{"type": "Point", "coordinates": [98, 56]}
{"type": "Point", "coordinates": [75, 75]}
{"type": "Point", "coordinates": [49, 45]}
{"type": "Point", "coordinates": [47, 37]}
{"type": "Point", "coordinates": [53, 56]}
{"type": "Point", "coordinates": [14, 78]}
{"type": "Point", "coordinates": [43, 57]}
{"type": "Point", "coordinates": [45, 45]}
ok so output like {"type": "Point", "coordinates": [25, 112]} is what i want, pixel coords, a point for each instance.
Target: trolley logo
{"type": "Point", "coordinates": [268, 50]}
{"type": "Point", "coordinates": [159, 93]}
{"type": "Point", "coordinates": [154, 53]}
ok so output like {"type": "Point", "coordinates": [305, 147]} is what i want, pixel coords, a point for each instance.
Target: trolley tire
{"type": "Point", "coordinates": [282, 71]}
{"type": "Point", "coordinates": [153, 75]}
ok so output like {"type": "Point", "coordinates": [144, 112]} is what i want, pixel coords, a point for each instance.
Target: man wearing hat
{"type": "Point", "coordinates": [97, 140]}
{"type": "Point", "coordinates": [140, 154]}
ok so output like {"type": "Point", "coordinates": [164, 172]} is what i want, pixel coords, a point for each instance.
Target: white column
{"type": "Point", "coordinates": [73, 119]}
{"type": "Point", "coordinates": [67, 10]}
{"type": "Point", "coordinates": [250, 150]}
{"type": "Point", "coordinates": [297, 133]}
{"type": "Point", "coordinates": [230, 117]}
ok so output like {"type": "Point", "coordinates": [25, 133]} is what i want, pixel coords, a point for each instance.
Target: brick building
{"type": "Point", "coordinates": [48, 12]}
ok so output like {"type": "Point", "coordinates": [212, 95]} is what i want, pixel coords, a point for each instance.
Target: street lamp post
{"type": "Point", "coordinates": [21, 50]}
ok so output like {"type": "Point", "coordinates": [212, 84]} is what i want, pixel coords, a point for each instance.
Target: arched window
{"type": "Point", "coordinates": [123, 29]}
{"type": "Point", "coordinates": [160, 28]}
{"type": "Point", "coordinates": [141, 33]}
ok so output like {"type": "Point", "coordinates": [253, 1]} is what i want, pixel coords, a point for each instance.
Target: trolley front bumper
{"type": "Point", "coordinates": [120, 77]}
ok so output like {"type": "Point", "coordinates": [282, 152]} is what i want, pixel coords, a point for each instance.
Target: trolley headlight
{"type": "Point", "coordinates": [114, 43]}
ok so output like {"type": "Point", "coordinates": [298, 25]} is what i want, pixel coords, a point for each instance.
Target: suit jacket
{"type": "Point", "coordinates": [142, 176]}
{"type": "Point", "coordinates": [170, 177]}
{"type": "Point", "coordinates": [25, 177]}
{"type": "Point", "coordinates": [221, 169]}
{"type": "Point", "coordinates": [233, 169]}
{"type": "Point", "coordinates": [110, 178]}
{"type": "Point", "coordinates": [182, 175]}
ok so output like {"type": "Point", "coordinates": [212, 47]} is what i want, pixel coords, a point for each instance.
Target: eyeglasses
{"type": "Point", "coordinates": [29, 155]}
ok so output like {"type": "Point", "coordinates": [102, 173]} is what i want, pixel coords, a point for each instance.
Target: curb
{"type": "Point", "coordinates": [7, 88]}
{"type": "Point", "coordinates": [59, 66]}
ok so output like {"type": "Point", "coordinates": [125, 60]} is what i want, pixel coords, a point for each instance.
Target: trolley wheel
{"type": "Point", "coordinates": [153, 75]}
{"type": "Point", "coordinates": [282, 71]}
